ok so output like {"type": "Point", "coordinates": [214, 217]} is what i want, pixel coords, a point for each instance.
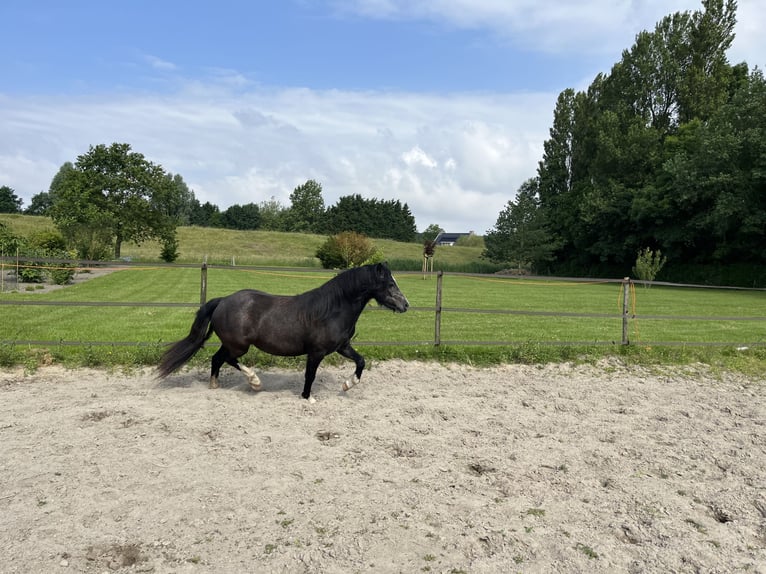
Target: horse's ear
{"type": "Point", "coordinates": [381, 269]}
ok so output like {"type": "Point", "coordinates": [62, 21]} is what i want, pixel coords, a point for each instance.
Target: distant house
{"type": "Point", "coordinates": [450, 238]}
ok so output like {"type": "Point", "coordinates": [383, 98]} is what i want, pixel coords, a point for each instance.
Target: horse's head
{"type": "Point", "coordinates": [386, 292]}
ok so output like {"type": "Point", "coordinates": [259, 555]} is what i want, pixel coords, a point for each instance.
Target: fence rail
{"type": "Point", "coordinates": [626, 316]}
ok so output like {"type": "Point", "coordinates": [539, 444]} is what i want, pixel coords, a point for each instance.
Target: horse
{"type": "Point", "coordinates": [315, 323]}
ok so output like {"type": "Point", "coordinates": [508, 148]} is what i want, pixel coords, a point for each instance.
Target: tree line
{"type": "Point", "coordinates": [666, 152]}
{"type": "Point", "coordinates": [112, 194]}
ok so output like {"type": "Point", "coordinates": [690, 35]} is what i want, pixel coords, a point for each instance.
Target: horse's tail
{"type": "Point", "coordinates": [185, 349]}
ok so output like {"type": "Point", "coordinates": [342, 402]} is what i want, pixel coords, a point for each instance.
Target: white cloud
{"type": "Point", "coordinates": [455, 160]}
{"type": "Point", "coordinates": [160, 64]}
{"type": "Point", "coordinates": [417, 156]}
{"type": "Point", "coordinates": [749, 38]}
{"type": "Point", "coordinates": [549, 25]}
{"type": "Point", "coordinates": [563, 26]}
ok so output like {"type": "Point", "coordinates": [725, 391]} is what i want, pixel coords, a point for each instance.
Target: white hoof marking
{"type": "Point", "coordinates": [348, 384]}
{"type": "Point", "coordinates": [252, 378]}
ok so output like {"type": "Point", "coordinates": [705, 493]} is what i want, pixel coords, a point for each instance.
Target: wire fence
{"type": "Point", "coordinates": [627, 316]}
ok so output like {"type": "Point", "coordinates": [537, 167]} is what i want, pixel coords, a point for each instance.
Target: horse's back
{"type": "Point", "coordinates": [250, 303]}
{"type": "Point", "coordinates": [253, 317]}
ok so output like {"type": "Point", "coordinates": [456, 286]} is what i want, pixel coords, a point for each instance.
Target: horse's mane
{"type": "Point", "coordinates": [322, 301]}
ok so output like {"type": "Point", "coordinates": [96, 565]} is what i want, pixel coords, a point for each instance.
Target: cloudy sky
{"type": "Point", "coordinates": [442, 104]}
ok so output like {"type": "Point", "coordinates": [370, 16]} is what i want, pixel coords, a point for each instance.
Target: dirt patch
{"type": "Point", "coordinates": [421, 468]}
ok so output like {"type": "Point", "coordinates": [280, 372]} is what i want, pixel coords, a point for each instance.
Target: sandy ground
{"type": "Point", "coordinates": [420, 468]}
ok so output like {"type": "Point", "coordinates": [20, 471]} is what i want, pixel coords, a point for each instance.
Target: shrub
{"type": "Point", "coordinates": [648, 264]}
{"type": "Point", "coordinates": [169, 251]}
{"type": "Point", "coordinates": [348, 249]}
{"type": "Point", "coordinates": [31, 270]}
{"type": "Point", "coordinates": [48, 240]}
{"type": "Point", "coordinates": [61, 272]}
{"type": "Point", "coordinates": [8, 241]}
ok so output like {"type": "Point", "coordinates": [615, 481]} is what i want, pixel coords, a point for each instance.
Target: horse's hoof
{"type": "Point", "coordinates": [311, 400]}
{"type": "Point", "coordinates": [346, 386]}
{"type": "Point", "coordinates": [213, 384]}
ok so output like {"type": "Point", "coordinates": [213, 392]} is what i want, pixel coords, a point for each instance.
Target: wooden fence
{"type": "Point", "coordinates": [626, 316]}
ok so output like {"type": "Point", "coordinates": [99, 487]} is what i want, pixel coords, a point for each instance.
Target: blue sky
{"type": "Point", "coordinates": [442, 104]}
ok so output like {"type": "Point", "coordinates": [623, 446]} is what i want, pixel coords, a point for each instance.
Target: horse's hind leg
{"type": "Point", "coordinates": [215, 366]}
{"type": "Point", "coordinates": [350, 353]}
{"type": "Point", "coordinates": [225, 355]}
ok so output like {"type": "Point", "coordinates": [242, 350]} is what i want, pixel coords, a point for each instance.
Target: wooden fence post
{"type": "Point", "coordinates": [625, 309]}
{"type": "Point", "coordinates": [438, 325]}
{"type": "Point", "coordinates": [203, 285]}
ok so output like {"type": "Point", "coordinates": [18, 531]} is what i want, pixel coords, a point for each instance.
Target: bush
{"type": "Point", "coordinates": [31, 270]}
{"type": "Point", "coordinates": [48, 241]}
{"type": "Point", "coordinates": [169, 251]}
{"type": "Point", "coordinates": [648, 264]}
{"type": "Point", "coordinates": [61, 273]}
{"type": "Point", "coordinates": [9, 242]}
{"type": "Point", "coordinates": [348, 249]}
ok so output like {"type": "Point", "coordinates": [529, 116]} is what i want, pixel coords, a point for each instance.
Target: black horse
{"type": "Point", "coordinates": [315, 323]}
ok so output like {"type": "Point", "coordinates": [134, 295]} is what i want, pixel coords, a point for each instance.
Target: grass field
{"type": "Point", "coordinates": [266, 248]}
{"type": "Point", "coordinates": [517, 337]}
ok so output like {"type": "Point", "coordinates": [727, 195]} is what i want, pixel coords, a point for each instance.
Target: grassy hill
{"type": "Point", "coordinates": [224, 246]}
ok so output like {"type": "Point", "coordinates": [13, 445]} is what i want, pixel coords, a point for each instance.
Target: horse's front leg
{"type": "Point", "coordinates": [312, 364]}
{"type": "Point", "coordinates": [350, 353]}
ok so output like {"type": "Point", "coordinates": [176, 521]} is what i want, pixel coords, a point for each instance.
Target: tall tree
{"type": "Point", "coordinates": [205, 215]}
{"type": "Point", "coordinates": [715, 182]}
{"type": "Point", "coordinates": [521, 236]}
{"type": "Point", "coordinates": [604, 185]}
{"type": "Point", "coordinates": [272, 214]}
{"type": "Point", "coordinates": [174, 200]}
{"type": "Point", "coordinates": [110, 192]}
{"type": "Point", "coordinates": [9, 201]}
{"type": "Point", "coordinates": [385, 219]}
{"type": "Point", "coordinates": [307, 208]}
{"type": "Point", "coordinates": [40, 204]}
{"type": "Point", "coordinates": [242, 217]}
{"type": "Point", "coordinates": [431, 232]}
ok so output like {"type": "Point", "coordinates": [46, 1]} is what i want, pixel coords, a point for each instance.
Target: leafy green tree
{"type": "Point", "coordinates": [307, 208]}
{"type": "Point", "coordinates": [713, 183]}
{"type": "Point", "coordinates": [108, 198]}
{"type": "Point", "coordinates": [40, 204]}
{"type": "Point", "coordinates": [174, 200]}
{"type": "Point", "coordinates": [272, 215]}
{"type": "Point", "coordinates": [237, 216]}
{"type": "Point", "coordinates": [431, 232]}
{"type": "Point", "coordinates": [627, 162]}
{"type": "Point", "coordinates": [520, 237]}
{"type": "Point", "coordinates": [563, 173]}
{"type": "Point", "coordinates": [204, 215]}
{"type": "Point", "coordinates": [385, 219]}
{"type": "Point", "coordinates": [9, 201]}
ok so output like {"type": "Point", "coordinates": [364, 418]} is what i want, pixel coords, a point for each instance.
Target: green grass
{"type": "Point", "coordinates": [527, 338]}
{"type": "Point", "coordinates": [264, 248]}
{"type": "Point", "coordinates": [26, 225]}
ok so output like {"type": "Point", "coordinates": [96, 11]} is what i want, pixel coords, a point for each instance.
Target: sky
{"type": "Point", "coordinates": [441, 104]}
